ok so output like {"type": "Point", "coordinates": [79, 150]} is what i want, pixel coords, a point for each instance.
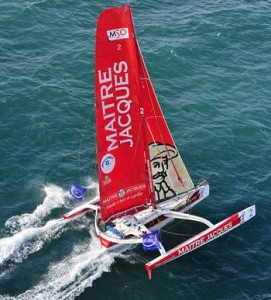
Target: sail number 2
{"type": "Point", "coordinates": [119, 47]}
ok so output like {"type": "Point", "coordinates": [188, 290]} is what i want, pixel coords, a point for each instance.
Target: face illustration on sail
{"type": "Point", "coordinates": [160, 156]}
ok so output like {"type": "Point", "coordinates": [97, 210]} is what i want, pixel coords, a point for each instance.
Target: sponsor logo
{"type": "Point", "coordinates": [213, 234]}
{"type": "Point", "coordinates": [121, 193]}
{"type": "Point", "coordinates": [116, 106]}
{"type": "Point", "coordinates": [118, 34]}
{"type": "Point", "coordinates": [108, 163]}
{"type": "Point", "coordinates": [151, 241]}
{"type": "Point", "coordinates": [107, 180]}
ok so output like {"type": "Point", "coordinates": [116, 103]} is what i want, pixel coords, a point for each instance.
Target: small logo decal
{"type": "Point", "coordinates": [106, 180]}
{"type": "Point", "coordinates": [118, 34]}
{"type": "Point", "coordinates": [108, 163]}
{"type": "Point", "coordinates": [121, 193]}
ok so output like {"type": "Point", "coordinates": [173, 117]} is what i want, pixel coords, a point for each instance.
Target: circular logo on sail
{"type": "Point", "coordinates": [121, 193]}
{"type": "Point", "coordinates": [108, 163]}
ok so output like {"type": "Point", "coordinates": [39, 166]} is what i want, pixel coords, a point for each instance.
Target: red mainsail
{"type": "Point", "coordinates": [121, 147]}
{"type": "Point", "coordinates": [138, 162]}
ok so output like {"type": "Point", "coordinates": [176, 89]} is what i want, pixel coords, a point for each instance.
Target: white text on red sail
{"type": "Point", "coordinates": [116, 105]}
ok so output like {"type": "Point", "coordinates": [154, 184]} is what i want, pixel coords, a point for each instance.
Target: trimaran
{"type": "Point", "coordinates": [143, 182]}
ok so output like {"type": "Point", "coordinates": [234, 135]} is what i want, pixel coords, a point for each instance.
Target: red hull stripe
{"type": "Point", "coordinates": [79, 212]}
{"type": "Point", "coordinates": [201, 239]}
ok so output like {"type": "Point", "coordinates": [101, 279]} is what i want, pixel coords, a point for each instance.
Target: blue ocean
{"type": "Point", "coordinates": [210, 64]}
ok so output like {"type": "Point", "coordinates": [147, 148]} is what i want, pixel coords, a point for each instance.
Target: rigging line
{"type": "Point", "coordinates": [82, 136]}
{"type": "Point", "coordinates": [180, 222]}
{"type": "Point", "coordinates": [175, 233]}
{"type": "Point", "coordinates": [148, 160]}
{"type": "Point", "coordinates": [139, 257]}
{"type": "Point", "coordinates": [133, 160]}
{"type": "Point", "coordinates": [151, 99]}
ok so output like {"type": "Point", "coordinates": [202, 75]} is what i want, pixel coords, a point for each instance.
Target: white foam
{"type": "Point", "coordinates": [31, 226]}
{"type": "Point", "coordinates": [55, 198]}
{"type": "Point", "coordinates": [91, 184]}
{"type": "Point", "coordinates": [71, 276]}
{"type": "Point", "coordinates": [9, 246]}
{"type": "Point", "coordinates": [28, 226]}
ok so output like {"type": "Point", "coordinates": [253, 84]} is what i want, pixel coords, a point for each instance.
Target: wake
{"type": "Point", "coordinates": [26, 227]}
{"type": "Point", "coordinates": [66, 278]}
{"type": "Point", "coordinates": [10, 247]}
{"type": "Point", "coordinates": [71, 276]}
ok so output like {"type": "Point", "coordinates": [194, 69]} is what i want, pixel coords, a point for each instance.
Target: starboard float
{"type": "Point", "coordinates": [143, 182]}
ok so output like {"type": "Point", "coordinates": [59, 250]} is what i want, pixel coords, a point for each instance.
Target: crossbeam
{"type": "Point", "coordinates": [183, 216]}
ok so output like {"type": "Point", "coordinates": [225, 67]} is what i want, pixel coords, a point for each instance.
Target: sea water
{"type": "Point", "coordinates": [210, 64]}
